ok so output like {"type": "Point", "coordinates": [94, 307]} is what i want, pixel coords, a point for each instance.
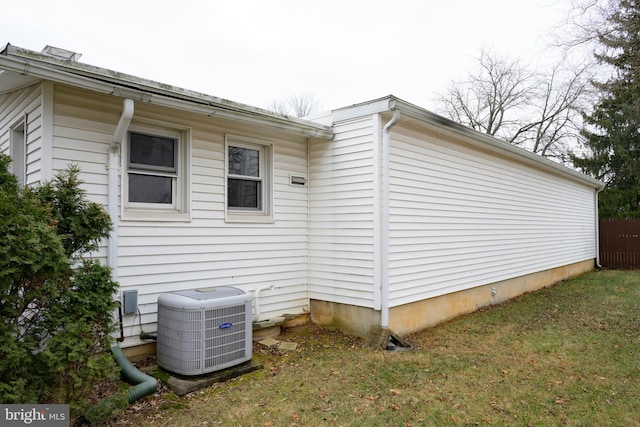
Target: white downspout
{"type": "Point", "coordinates": [384, 217]}
{"type": "Point", "coordinates": [597, 219]}
{"type": "Point", "coordinates": [112, 188]}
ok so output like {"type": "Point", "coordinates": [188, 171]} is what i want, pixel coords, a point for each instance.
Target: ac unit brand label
{"type": "Point", "coordinates": [225, 325]}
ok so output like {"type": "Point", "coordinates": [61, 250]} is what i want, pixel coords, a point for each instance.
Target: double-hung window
{"type": "Point", "coordinates": [153, 168]}
{"type": "Point", "coordinates": [156, 178]}
{"type": "Point", "coordinates": [249, 180]}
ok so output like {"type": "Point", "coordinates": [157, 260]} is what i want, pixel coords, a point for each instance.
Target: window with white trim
{"type": "Point", "coordinates": [156, 178]}
{"type": "Point", "coordinates": [18, 151]}
{"type": "Point", "coordinates": [248, 180]}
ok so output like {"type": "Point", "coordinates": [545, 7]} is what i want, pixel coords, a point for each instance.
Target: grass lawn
{"type": "Point", "coordinates": [566, 355]}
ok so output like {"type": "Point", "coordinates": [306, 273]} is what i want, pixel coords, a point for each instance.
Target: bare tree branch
{"type": "Point", "coordinates": [585, 23]}
{"type": "Point", "coordinates": [278, 106]}
{"type": "Point", "coordinates": [485, 100]}
{"type": "Point", "coordinates": [304, 104]}
{"type": "Point", "coordinates": [535, 110]}
{"type": "Point", "coordinates": [301, 105]}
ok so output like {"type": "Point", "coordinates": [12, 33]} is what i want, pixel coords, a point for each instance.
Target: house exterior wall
{"type": "Point", "coordinates": [344, 218]}
{"type": "Point", "coordinates": [462, 218]}
{"type": "Point", "coordinates": [163, 256]}
{"type": "Point", "coordinates": [463, 221]}
{"type": "Point", "coordinates": [24, 107]}
{"type": "Point", "coordinates": [421, 314]}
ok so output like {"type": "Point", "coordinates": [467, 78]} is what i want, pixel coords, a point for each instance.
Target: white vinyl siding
{"type": "Point", "coordinates": [343, 182]}
{"type": "Point", "coordinates": [462, 218]}
{"type": "Point", "coordinates": [21, 111]}
{"type": "Point", "coordinates": [156, 256]}
{"type": "Point", "coordinates": [83, 127]}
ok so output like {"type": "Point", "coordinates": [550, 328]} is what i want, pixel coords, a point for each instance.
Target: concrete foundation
{"type": "Point", "coordinates": [350, 319]}
{"type": "Point", "coordinates": [419, 315]}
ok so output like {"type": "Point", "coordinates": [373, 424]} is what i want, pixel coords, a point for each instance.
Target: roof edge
{"type": "Point", "coordinates": [111, 82]}
{"type": "Point", "coordinates": [470, 136]}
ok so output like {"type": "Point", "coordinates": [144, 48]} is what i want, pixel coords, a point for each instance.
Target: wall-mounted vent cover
{"type": "Point", "coordinates": [297, 180]}
{"type": "Point", "coordinates": [201, 331]}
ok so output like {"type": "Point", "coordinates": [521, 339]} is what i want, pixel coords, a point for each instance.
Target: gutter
{"type": "Point", "coordinates": [462, 134]}
{"type": "Point", "coordinates": [384, 216]}
{"type": "Point", "coordinates": [34, 64]}
{"type": "Point", "coordinates": [112, 188]}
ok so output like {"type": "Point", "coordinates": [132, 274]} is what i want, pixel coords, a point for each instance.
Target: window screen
{"type": "Point", "coordinates": [152, 168]}
{"type": "Point", "coordinates": [244, 182]}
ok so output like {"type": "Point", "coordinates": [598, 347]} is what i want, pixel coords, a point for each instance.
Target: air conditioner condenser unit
{"type": "Point", "coordinates": [204, 330]}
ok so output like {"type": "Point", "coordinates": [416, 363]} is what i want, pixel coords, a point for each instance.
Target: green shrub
{"type": "Point", "coordinates": [56, 305]}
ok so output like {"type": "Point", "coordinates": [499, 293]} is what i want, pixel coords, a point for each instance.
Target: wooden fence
{"type": "Point", "coordinates": [620, 243]}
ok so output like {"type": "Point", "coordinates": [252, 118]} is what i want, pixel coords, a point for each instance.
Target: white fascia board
{"type": "Point", "coordinates": [364, 109]}
{"type": "Point", "coordinates": [108, 82]}
{"type": "Point", "coordinates": [463, 133]}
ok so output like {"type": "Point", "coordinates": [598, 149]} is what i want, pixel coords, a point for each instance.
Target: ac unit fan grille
{"type": "Point", "coordinates": [182, 347]}
{"type": "Point", "coordinates": [223, 346]}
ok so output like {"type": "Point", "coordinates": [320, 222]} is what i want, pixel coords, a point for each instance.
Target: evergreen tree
{"type": "Point", "coordinates": [612, 133]}
{"type": "Point", "coordinates": [56, 309]}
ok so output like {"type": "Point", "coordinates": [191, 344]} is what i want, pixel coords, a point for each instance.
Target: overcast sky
{"type": "Point", "coordinates": [254, 51]}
